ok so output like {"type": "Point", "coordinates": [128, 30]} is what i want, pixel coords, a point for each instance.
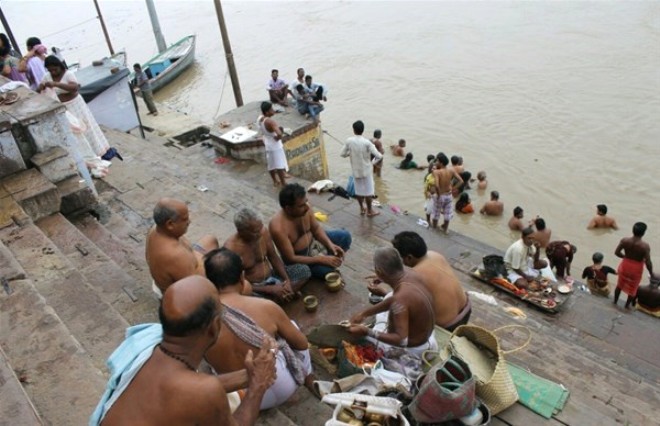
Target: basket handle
{"type": "Point", "coordinates": [515, 326]}
{"type": "Point", "coordinates": [429, 356]}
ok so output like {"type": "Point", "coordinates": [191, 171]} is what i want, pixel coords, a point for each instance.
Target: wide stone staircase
{"type": "Point", "coordinates": [71, 285]}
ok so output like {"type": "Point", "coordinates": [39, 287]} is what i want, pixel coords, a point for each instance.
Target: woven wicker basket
{"type": "Point", "coordinates": [495, 388]}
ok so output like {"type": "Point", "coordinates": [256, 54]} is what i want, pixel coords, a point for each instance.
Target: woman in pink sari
{"type": "Point", "coordinates": [32, 64]}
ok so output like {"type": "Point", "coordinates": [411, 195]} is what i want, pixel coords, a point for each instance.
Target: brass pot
{"type": "Point", "coordinates": [311, 303]}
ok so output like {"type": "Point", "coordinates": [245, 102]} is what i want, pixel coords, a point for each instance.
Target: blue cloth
{"type": "Point", "coordinates": [350, 187]}
{"type": "Point", "coordinates": [340, 237]}
{"type": "Point", "coordinates": [125, 362]}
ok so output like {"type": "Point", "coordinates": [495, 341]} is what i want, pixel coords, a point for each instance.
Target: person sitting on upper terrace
{"type": "Point", "coordinates": [277, 89]}
{"type": "Point", "coordinates": [154, 372]}
{"type": "Point", "coordinates": [301, 240]}
{"type": "Point", "coordinates": [450, 301]}
{"type": "Point", "coordinates": [398, 150]}
{"type": "Point", "coordinates": [602, 220]}
{"type": "Point", "coordinates": [169, 254]}
{"type": "Point", "coordinates": [408, 163]}
{"type": "Point", "coordinates": [262, 264]}
{"type": "Point", "coordinates": [516, 223]}
{"type": "Point", "coordinates": [543, 233]}
{"type": "Point", "coordinates": [246, 323]}
{"type": "Point", "coordinates": [317, 91]}
{"type": "Point", "coordinates": [494, 207]}
{"type": "Point", "coordinates": [405, 318]}
{"type": "Point", "coordinates": [522, 260]}
{"type": "Point", "coordinates": [300, 77]}
{"type": "Point", "coordinates": [306, 105]}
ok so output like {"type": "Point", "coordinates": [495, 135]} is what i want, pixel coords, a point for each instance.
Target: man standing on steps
{"type": "Point", "coordinates": [154, 378]}
{"type": "Point", "coordinates": [275, 155]}
{"type": "Point", "coordinates": [362, 151]}
{"type": "Point", "coordinates": [169, 254]}
{"type": "Point", "coordinates": [443, 183]}
{"type": "Point", "coordinates": [635, 253]}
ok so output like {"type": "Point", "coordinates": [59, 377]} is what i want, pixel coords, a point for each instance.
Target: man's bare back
{"type": "Point", "coordinates": [171, 259]}
{"type": "Point", "coordinates": [441, 282]}
{"type": "Point", "coordinates": [443, 178]}
{"type": "Point", "coordinates": [633, 248]}
{"type": "Point", "coordinates": [492, 208]}
{"type": "Point", "coordinates": [161, 395]}
{"type": "Point", "coordinates": [228, 354]}
{"type": "Point", "coordinates": [602, 222]}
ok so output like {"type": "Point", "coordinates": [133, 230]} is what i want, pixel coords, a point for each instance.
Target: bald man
{"type": "Point", "coordinates": [405, 318]}
{"type": "Point", "coordinates": [169, 254]}
{"type": "Point", "coordinates": [155, 369]}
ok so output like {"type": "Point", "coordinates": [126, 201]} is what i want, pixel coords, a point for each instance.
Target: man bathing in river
{"type": "Point", "coordinates": [602, 220]}
{"type": "Point", "coordinates": [516, 223]}
{"type": "Point", "coordinates": [378, 165]}
{"type": "Point", "coordinates": [450, 302]}
{"type": "Point", "coordinates": [262, 264]}
{"type": "Point", "coordinates": [443, 182]}
{"type": "Point", "coordinates": [635, 253]}
{"type": "Point", "coordinates": [494, 207]}
{"type": "Point", "coordinates": [522, 260]}
{"type": "Point", "coordinates": [246, 323]}
{"type": "Point", "coordinates": [363, 155]}
{"type": "Point", "coordinates": [301, 240]}
{"type": "Point", "coordinates": [169, 254]}
{"type": "Point", "coordinates": [406, 318]}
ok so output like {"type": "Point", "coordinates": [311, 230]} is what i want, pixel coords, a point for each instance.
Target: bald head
{"type": "Point", "coordinates": [188, 306]}
{"type": "Point", "coordinates": [168, 209]}
{"type": "Point", "coordinates": [388, 261]}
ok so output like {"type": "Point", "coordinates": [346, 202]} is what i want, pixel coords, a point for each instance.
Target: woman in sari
{"type": "Point", "coordinates": [32, 64]}
{"type": "Point", "coordinates": [8, 63]}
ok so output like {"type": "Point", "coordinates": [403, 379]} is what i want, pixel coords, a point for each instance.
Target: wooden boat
{"type": "Point", "coordinates": [551, 302]}
{"type": "Point", "coordinates": [169, 64]}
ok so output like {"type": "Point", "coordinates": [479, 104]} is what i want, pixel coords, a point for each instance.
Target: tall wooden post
{"type": "Point", "coordinates": [155, 25]}
{"type": "Point", "coordinates": [229, 55]}
{"type": "Point", "coordinates": [5, 24]}
{"type": "Point", "coordinates": [105, 30]}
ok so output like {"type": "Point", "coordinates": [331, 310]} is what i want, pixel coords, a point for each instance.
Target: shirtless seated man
{"type": "Point", "coordinates": [405, 318]}
{"type": "Point", "coordinates": [169, 254]}
{"type": "Point", "coordinates": [246, 321]}
{"type": "Point", "coordinates": [522, 260]}
{"type": "Point", "coordinates": [602, 220]}
{"type": "Point", "coordinates": [494, 207]}
{"type": "Point", "coordinates": [262, 264]}
{"type": "Point", "coordinates": [450, 301]}
{"type": "Point", "coordinates": [159, 383]}
{"type": "Point", "coordinates": [301, 240]}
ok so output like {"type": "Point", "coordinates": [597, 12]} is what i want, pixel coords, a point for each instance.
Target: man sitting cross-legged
{"type": "Point", "coordinates": [246, 322]}
{"type": "Point", "coordinates": [169, 254]}
{"type": "Point", "coordinates": [262, 264]}
{"type": "Point", "coordinates": [405, 318]}
{"type": "Point", "coordinates": [301, 240]}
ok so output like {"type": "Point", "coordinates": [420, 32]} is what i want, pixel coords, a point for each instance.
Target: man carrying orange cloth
{"type": "Point", "coordinates": [635, 253]}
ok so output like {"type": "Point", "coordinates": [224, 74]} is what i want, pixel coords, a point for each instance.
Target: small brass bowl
{"type": "Point", "coordinates": [311, 303]}
{"type": "Point", "coordinates": [333, 282]}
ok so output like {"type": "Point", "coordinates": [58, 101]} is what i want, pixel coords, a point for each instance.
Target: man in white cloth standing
{"type": "Point", "coordinates": [361, 151]}
{"type": "Point", "coordinates": [275, 155]}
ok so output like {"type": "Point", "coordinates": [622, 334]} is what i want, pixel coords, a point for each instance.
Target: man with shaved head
{"type": "Point", "coordinates": [405, 318]}
{"type": "Point", "coordinates": [154, 378]}
{"type": "Point", "coordinates": [170, 255]}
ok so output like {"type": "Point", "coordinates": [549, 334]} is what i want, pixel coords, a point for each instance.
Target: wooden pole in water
{"type": "Point", "coordinates": [229, 55]}
{"type": "Point", "coordinates": [155, 25]}
{"type": "Point", "coordinates": [5, 24]}
{"type": "Point", "coordinates": [105, 30]}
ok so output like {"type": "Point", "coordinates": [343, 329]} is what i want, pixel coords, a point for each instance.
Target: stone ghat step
{"type": "Point", "coordinates": [93, 322]}
{"type": "Point", "coordinates": [15, 405]}
{"type": "Point", "coordinates": [58, 374]}
{"type": "Point", "coordinates": [133, 300]}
